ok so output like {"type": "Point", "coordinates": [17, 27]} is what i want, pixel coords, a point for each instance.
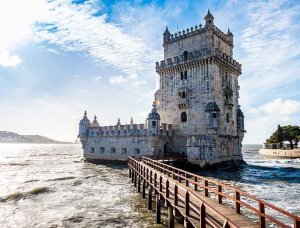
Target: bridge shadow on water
{"type": "Point", "coordinates": [255, 174]}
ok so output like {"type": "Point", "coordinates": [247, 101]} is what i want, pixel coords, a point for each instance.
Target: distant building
{"type": "Point", "coordinates": [196, 111]}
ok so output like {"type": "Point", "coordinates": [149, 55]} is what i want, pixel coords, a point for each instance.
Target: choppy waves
{"type": "Point", "coordinates": [50, 186]}
{"type": "Point", "coordinates": [21, 195]}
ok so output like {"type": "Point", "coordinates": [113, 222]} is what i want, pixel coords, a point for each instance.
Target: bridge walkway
{"type": "Point", "coordinates": [201, 201]}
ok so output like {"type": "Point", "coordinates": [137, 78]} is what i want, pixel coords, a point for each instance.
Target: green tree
{"type": "Point", "coordinates": [273, 138]}
{"type": "Point", "coordinates": [286, 133]}
{"type": "Point", "coordinates": [280, 136]}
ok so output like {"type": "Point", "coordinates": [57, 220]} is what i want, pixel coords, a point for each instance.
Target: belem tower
{"type": "Point", "coordinates": [196, 111]}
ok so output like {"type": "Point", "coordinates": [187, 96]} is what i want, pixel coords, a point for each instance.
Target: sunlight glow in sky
{"type": "Point", "coordinates": [61, 57]}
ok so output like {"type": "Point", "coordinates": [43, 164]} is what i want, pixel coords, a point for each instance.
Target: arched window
{"type": "Point", "coordinates": [185, 74]}
{"type": "Point", "coordinates": [185, 55]}
{"type": "Point", "coordinates": [183, 117]}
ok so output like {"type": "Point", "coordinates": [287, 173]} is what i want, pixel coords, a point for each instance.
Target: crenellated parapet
{"type": "Point", "coordinates": [228, 60]}
{"type": "Point", "coordinates": [196, 30]}
{"type": "Point", "coordinates": [199, 55]}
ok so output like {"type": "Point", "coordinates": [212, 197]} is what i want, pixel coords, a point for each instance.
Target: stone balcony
{"type": "Point", "coordinates": [182, 103]}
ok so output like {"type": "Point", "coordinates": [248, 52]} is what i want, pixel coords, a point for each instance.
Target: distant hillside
{"type": "Point", "coordinates": [11, 137]}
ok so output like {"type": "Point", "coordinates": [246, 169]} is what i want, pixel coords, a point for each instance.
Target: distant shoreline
{"type": "Point", "coordinates": [38, 143]}
{"type": "Point", "coordinates": [12, 137]}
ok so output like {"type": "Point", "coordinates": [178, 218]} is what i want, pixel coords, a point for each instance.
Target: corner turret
{"type": "Point", "coordinates": [83, 125]}
{"type": "Point", "coordinates": [95, 122]}
{"type": "Point", "coordinates": [209, 19]}
{"type": "Point", "coordinates": [230, 35]}
{"type": "Point", "coordinates": [166, 36]}
{"type": "Point", "coordinates": [153, 121]}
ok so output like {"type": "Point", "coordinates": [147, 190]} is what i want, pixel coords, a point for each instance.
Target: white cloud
{"type": "Point", "coordinates": [74, 27]}
{"type": "Point", "coordinates": [8, 60]}
{"type": "Point", "coordinates": [262, 121]}
{"type": "Point", "coordinates": [270, 42]}
{"type": "Point", "coordinates": [117, 79]}
{"type": "Point", "coordinates": [97, 78]}
{"type": "Point", "coordinates": [17, 18]}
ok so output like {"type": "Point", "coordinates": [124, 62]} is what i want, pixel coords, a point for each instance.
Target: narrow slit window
{"type": "Point", "coordinates": [183, 117]}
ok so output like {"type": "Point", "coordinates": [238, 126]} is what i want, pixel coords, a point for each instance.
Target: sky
{"type": "Point", "coordinates": [59, 58]}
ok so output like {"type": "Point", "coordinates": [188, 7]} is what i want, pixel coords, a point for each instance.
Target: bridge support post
{"type": "Point", "coordinates": [132, 177]}
{"type": "Point", "coordinates": [296, 223]}
{"type": "Point", "coordinates": [144, 189]}
{"type": "Point", "coordinates": [170, 217]}
{"type": "Point", "coordinates": [262, 219]}
{"type": "Point", "coordinates": [135, 179]}
{"type": "Point", "coordinates": [129, 173]}
{"type": "Point", "coordinates": [202, 215]}
{"type": "Point", "coordinates": [150, 198]}
{"type": "Point", "coordinates": [158, 218]}
{"type": "Point", "coordinates": [139, 185]}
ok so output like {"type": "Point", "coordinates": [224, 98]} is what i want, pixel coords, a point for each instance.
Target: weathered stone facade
{"type": "Point", "coordinates": [120, 141]}
{"type": "Point", "coordinates": [197, 103]}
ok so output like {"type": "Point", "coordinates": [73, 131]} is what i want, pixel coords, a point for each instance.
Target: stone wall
{"type": "Point", "coordinates": [280, 153]}
{"type": "Point", "coordinates": [205, 150]}
{"type": "Point", "coordinates": [119, 148]}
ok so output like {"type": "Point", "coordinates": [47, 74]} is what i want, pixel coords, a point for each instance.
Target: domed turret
{"type": "Point", "coordinates": [84, 124]}
{"type": "Point", "coordinates": [167, 36]}
{"type": "Point", "coordinates": [209, 19]}
{"type": "Point", "coordinates": [153, 120]}
{"type": "Point", "coordinates": [154, 114]}
{"type": "Point", "coordinates": [95, 122]}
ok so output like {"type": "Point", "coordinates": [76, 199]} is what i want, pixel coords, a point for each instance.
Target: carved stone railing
{"type": "Point", "coordinates": [101, 132]}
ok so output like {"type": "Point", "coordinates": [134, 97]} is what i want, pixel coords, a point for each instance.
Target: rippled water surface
{"type": "Point", "coordinates": [50, 186]}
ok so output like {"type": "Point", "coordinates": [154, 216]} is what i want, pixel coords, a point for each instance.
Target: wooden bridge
{"type": "Point", "coordinates": [201, 201]}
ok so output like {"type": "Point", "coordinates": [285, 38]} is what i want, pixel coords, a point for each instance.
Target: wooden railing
{"type": "Point", "coordinates": [177, 195]}
{"type": "Point", "coordinates": [238, 198]}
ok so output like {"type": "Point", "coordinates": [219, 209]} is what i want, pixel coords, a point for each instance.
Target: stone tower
{"type": "Point", "coordinates": [199, 93]}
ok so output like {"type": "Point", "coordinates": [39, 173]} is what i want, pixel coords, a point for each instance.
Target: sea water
{"type": "Point", "coordinates": [49, 185]}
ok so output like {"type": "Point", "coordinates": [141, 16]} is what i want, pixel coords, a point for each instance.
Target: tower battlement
{"type": "Point", "coordinates": [204, 39]}
{"type": "Point", "coordinates": [196, 30]}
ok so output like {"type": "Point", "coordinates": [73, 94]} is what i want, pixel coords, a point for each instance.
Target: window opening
{"type": "Point", "coordinates": [183, 117]}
